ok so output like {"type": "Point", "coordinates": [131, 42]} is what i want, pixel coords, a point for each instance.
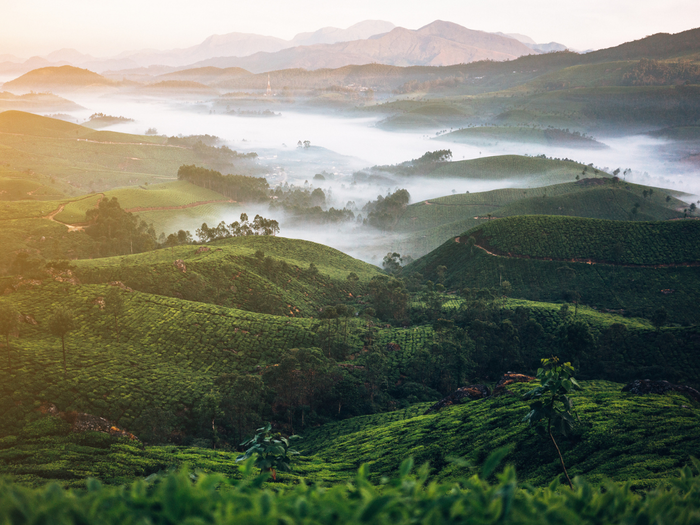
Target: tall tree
{"type": "Point", "coordinates": [9, 323]}
{"type": "Point", "coordinates": [61, 323]}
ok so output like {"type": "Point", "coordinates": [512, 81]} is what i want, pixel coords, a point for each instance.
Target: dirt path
{"type": "Point", "coordinates": [181, 207]}
{"type": "Point", "coordinates": [51, 217]}
{"type": "Point", "coordinates": [586, 261]}
{"type": "Point", "coordinates": [77, 227]}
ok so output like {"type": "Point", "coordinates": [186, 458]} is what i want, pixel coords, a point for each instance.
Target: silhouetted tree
{"type": "Point", "coordinates": [61, 323]}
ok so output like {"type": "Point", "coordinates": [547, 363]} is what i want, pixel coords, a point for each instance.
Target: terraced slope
{"type": "Point", "coordinates": [572, 238]}
{"type": "Point", "coordinates": [640, 439]}
{"type": "Point", "coordinates": [643, 265]}
{"type": "Point", "coordinates": [229, 273]}
{"type": "Point", "coordinates": [622, 436]}
{"type": "Point", "coordinates": [429, 222]}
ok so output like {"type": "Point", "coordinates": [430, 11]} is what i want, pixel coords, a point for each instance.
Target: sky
{"type": "Point", "coordinates": [105, 28]}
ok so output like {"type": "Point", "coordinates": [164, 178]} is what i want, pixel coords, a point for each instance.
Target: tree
{"type": "Point", "coordinates": [552, 403]}
{"type": "Point", "coordinates": [61, 323]}
{"type": "Point", "coordinates": [114, 305]}
{"type": "Point", "coordinates": [9, 323]}
{"type": "Point", "coordinates": [659, 318]}
{"type": "Point", "coordinates": [243, 400]}
{"type": "Point", "coordinates": [392, 263]}
{"type": "Point", "coordinates": [272, 450]}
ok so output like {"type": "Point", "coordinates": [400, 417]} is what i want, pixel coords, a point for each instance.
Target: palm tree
{"type": "Point", "coordinates": [60, 323]}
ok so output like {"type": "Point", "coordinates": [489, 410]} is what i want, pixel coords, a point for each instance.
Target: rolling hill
{"type": "Point", "coordinates": [635, 267]}
{"type": "Point", "coordinates": [59, 80]}
{"type": "Point", "coordinates": [77, 159]}
{"type": "Point", "coordinates": [231, 274]}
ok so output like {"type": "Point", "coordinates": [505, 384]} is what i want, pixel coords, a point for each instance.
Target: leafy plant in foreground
{"type": "Point", "coordinates": [552, 403]}
{"type": "Point", "coordinates": [272, 450]}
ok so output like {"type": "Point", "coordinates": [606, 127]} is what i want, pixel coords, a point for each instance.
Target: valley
{"type": "Point", "coordinates": [374, 249]}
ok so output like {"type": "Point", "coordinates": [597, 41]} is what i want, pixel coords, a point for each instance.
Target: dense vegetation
{"type": "Point", "coordinates": [237, 187]}
{"type": "Point", "coordinates": [569, 238]}
{"type": "Point", "coordinates": [408, 498]}
{"type": "Point", "coordinates": [634, 277]}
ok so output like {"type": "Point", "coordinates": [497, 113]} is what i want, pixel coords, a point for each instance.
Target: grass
{"type": "Point", "coordinates": [74, 211]}
{"type": "Point", "coordinates": [169, 194]}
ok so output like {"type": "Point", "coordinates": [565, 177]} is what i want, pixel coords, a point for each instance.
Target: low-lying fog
{"type": "Point", "coordinates": [341, 146]}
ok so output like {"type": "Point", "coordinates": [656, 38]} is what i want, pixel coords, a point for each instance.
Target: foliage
{"type": "Point", "coordinates": [61, 323]}
{"type": "Point", "coordinates": [645, 243]}
{"type": "Point", "coordinates": [272, 450]}
{"type": "Point", "coordinates": [656, 73]}
{"type": "Point", "coordinates": [552, 402]}
{"type": "Point", "coordinates": [442, 155]}
{"type": "Point", "coordinates": [389, 297]}
{"type": "Point", "coordinates": [259, 226]}
{"type": "Point", "coordinates": [183, 497]}
{"type": "Point", "coordinates": [118, 232]}
{"type": "Point", "coordinates": [385, 212]}
{"type": "Point", "coordinates": [237, 187]}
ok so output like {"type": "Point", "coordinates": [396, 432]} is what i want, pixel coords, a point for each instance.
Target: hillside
{"type": "Point", "coordinates": [633, 267]}
{"type": "Point", "coordinates": [58, 79]}
{"type": "Point", "coordinates": [424, 225]}
{"type": "Point", "coordinates": [472, 430]}
{"type": "Point", "coordinates": [78, 159]}
{"type": "Point", "coordinates": [568, 238]}
{"type": "Point", "coordinates": [230, 273]}
{"type": "Point", "coordinates": [494, 134]}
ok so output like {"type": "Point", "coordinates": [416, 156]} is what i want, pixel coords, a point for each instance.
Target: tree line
{"type": "Point", "coordinates": [236, 187]}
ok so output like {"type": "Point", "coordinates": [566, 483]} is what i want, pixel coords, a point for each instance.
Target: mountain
{"type": "Point", "coordinates": [529, 42]}
{"type": "Point", "coordinates": [332, 35]}
{"type": "Point", "coordinates": [58, 79]}
{"type": "Point", "coordinates": [240, 45]}
{"type": "Point", "coordinates": [437, 44]}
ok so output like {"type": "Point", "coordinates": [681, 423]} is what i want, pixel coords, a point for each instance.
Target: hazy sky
{"type": "Point", "coordinates": [101, 27]}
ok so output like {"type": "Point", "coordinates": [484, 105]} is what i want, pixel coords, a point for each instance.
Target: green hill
{"type": "Point", "coordinates": [537, 171]}
{"type": "Point", "coordinates": [614, 242]}
{"type": "Point", "coordinates": [636, 267]}
{"type": "Point", "coordinates": [76, 159]}
{"type": "Point", "coordinates": [490, 135]}
{"type": "Point", "coordinates": [424, 225]}
{"type": "Point", "coordinates": [610, 440]}
{"type": "Point", "coordinates": [229, 273]}
{"type": "Point", "coordinates": [61, 76]}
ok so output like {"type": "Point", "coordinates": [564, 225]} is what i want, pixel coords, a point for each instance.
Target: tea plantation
{"type": "Point", "coordinates": [424, 225]}
{"type": "Point", "coordinates": [637, 267]}
{"type": "Point", "coordinates": [276, 280]}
